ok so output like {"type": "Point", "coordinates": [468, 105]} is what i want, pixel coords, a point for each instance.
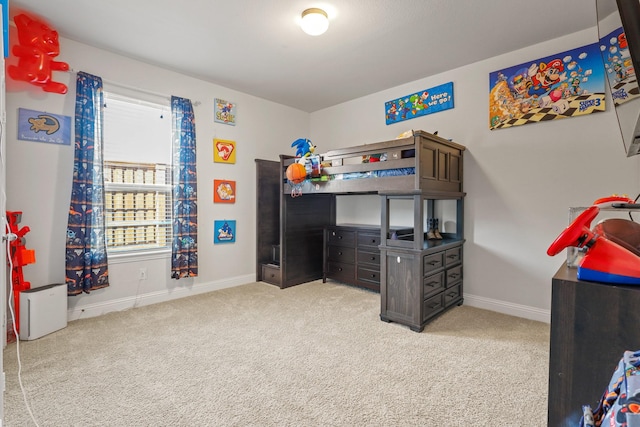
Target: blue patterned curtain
{"type": "Point", "coordinates": [184, 255]}
{"type": "Point", "coordinates": [86, 259]}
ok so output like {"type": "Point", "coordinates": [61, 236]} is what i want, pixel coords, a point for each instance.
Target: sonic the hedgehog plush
{"type": "Point", "coordinates": [304, 147]}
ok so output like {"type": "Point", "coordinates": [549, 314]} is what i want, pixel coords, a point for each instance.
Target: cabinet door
{"type": "Point", "coordinates": [402, 299]}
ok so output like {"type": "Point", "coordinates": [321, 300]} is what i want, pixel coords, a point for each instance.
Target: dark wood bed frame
{"type": "Point", "coordinates": [289, 248]}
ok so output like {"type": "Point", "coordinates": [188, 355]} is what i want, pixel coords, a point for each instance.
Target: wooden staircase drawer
{"type": "Point", "coordinates": [271, 274]}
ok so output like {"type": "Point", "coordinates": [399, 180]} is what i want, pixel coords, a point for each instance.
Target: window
{"type": "Point", "coordinates": [137, 174]}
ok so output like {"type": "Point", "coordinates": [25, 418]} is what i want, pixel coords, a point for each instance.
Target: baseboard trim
{"type": "Point", "coordinates": [98, 309]}
{"type": "Point", "coordinates": [518, 310]}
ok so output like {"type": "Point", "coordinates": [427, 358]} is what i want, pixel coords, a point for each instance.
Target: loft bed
{"type": "Point", "coordinates": [289, 249]}
{"type": "Point", "coordinates": [420, 162]}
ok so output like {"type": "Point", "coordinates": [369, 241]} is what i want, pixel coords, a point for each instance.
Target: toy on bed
{"type": "Point", "coordinates": [304, 147]}
{"type": "Point", "coordinates": [612, 247]}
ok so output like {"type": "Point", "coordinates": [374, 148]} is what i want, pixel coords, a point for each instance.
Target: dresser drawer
{"type": "Point", "coordinates": [453, 256]}
{"type": "Point", "coordinates": [432, 284]}
{"type": "Point", "coordinates": [340, 237]}
{"type": "Point", "coordinates": [369, 258]}
{"type": "Point", "coordinates": [433, 262]}
{"type": "Point", "coordinates": [452, 294]}
{"type": "Point", "coordinates": [341, 254]}
{"type": "Point", "coordinates": [368, 239]}
{"type": "Point", "coordinates": [271, 274]}
{"type": "Point", "coordinates": [454, 275]}
{"type": "Point", "coordinates": [341, 271]}
{"type": "Point", "coordinates": [368, 275]}
{"type": "Point", "coordinates": [432, 306]}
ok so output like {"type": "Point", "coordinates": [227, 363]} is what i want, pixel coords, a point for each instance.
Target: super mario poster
{"type": "Point", "coordinates": [619, 67]}
{"type": "Point", "coordinates": [567, 84]}
{"type": "Point", "coordinates": [224, 231]}
{"type": "Point", "coordinates": [428, 101]}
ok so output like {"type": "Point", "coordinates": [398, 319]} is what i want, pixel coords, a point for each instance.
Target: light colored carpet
{"type": "Point", "coordinates": [254, 355]}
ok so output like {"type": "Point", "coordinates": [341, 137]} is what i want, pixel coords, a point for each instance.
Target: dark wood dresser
{"type": "Point", "coordinates": [351, 255]}
{"type": "Point", "coordinates": [592, 324]}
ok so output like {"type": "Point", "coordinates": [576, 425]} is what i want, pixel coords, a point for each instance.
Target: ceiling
{"type": "Point", "coordinates": [256, 46]}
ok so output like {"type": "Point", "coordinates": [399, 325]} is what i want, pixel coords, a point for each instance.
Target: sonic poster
{"type": "Point", "coordinates": [224, 231]}
{"type": "Point", "coordinates": [619, 67]}
{"type": "Point", "coordinates": [567, 84]}
{"type": "Point", "coordinates": [44, 127]}
{"type": "Point", "coordinates": [421, 103]}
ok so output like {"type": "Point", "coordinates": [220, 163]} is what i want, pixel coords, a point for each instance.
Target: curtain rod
{"type": "Point", "coordinates": [135, 89]}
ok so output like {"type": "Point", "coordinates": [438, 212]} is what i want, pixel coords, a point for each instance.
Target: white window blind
{"type": "Point", "coordinates": [137, 171]}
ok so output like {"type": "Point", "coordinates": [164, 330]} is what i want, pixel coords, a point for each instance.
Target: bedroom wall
{"type": "Point", "coordinates": [519, 181]}
{"type": "Point", "coordinates": [39, 180]}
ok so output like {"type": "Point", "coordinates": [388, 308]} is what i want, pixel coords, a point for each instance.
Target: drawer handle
{"type": "Point", "coordinates": [339, 268]}
{"type": "Point", "coordinates": [454, 275]}
{"type": "Point", "coordinates": [373, 276]}
{"type": "Point", "coordinates": [432, 284]}
{"type": "Point", "coordinates": [339, 237]}
{"type": "Point", "coordinates": [273, 275]}
{"type": "Point", "coordinates": [373, 240]}
{"type": "Point", "coordinates": [452, 256]}
{"type": "Point", "coordinates": [434, 305]}
{"type": "Point", "coordinates": [434, 263]}
{"type": "Point", "coordinates": [339, 253]}
{"type": "Point", "coordinates": [373, 258]}
{"type": "Point", "coordinates": [452, 295]}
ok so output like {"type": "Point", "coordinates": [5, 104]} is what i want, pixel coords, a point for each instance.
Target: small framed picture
{"type": "Point", "coordinates": [224, 112]}
{"type": "Point", "coordinates": [224, 191]}
{"type": "Point", "coordinates": [224, 151]}
{"type": "Point", "coordinates": [224, 231]}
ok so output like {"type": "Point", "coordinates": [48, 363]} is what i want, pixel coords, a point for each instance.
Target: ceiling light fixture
{"type": "Point", "coordinates": [314, 21]}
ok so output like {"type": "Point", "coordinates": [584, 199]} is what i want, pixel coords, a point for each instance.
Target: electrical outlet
{"type": "Point", "coordinates": [142, 274]}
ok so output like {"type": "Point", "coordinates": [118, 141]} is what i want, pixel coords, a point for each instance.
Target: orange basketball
{"type": "Point", "coordinates": [296, 173]}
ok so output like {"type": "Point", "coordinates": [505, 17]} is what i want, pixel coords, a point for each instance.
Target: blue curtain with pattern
{"type": "Point", "coordinates": [184, 255]}
{"type": "Point", "coordinates": [86, 248]}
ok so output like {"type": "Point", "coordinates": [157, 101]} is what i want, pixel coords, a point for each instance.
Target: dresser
{"type": "Point", "coordinates": [351, 255]}
{"type": "Point", "coordinates": [421, 277]}
{"type": "Point", "coordinates": [592, 324]}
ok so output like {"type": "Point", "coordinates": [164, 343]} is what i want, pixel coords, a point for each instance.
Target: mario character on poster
{"type": "Point", "coordinates": [619, 67]}
{"type": "Point", "coordinates": [567, 84]}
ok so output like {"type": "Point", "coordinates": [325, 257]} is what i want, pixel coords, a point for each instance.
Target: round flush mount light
{"type": "Point", "coordinates": [314, 21]}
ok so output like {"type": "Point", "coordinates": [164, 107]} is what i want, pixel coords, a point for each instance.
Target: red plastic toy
{"type": "Point", "coordinates": [20, 256]}
{"type": "Point", "coordinates": [38, 45]}
{"type": "Point", "coordinates": [612, 248]}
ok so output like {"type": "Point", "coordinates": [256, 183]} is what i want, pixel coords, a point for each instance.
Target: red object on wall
{"type": "Point", "coordinates": [38, 45]}
{"type": "Point", "coordinates": [19, 257]}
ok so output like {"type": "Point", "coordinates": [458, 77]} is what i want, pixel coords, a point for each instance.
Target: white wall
{"type": "Point", "coordinates": [519, 181]}
{"type": "Point", "coordinates": [39, 180]}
